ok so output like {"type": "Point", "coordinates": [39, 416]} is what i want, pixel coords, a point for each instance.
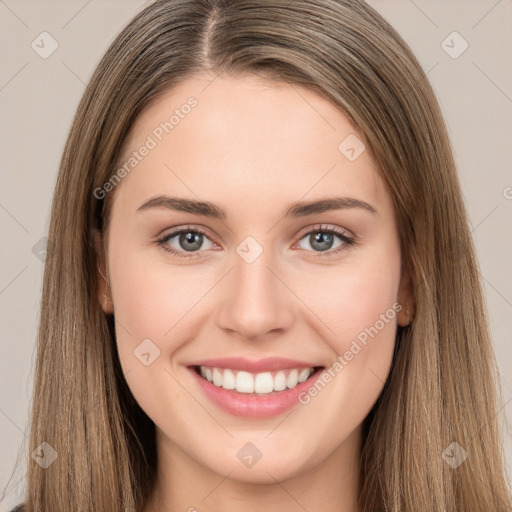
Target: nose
{"type": "Point", "coordinates": [256, 302]}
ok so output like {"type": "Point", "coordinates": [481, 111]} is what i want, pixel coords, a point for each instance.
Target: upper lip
{"type": "Point", "coordinates": [268, 364]}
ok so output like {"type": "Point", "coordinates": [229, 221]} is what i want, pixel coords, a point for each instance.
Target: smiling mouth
{"type": "Point", "coordinates": [258, 384]}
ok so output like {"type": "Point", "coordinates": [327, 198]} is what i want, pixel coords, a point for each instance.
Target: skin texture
{"type": "Point", "coordinates": [252, 147]}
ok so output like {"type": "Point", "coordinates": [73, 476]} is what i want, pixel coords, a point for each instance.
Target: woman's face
{"type": "Point", "coordinates": [292, 261]}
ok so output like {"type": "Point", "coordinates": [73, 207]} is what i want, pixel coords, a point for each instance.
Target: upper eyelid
{"type": "Point", "coordinates": [172, 232]}
{"type": "Point", "coordinates": [324, 227]}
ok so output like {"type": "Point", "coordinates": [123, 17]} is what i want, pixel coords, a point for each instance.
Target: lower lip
{"type": "Point", "coordinates": [254, 406]}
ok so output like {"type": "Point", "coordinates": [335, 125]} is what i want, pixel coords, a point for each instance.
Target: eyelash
{"type": "Point", "coordinates": [347, 241]}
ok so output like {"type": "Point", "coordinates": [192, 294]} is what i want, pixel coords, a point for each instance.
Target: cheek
{"type": "Point", "coordinates": [154, 309]}
{"type": "Point", "coordinates": [358, 303]}
{"type": "Point", "coordinates": [353, 296]}
{"type": "Point", "coordinates": [154, 302]}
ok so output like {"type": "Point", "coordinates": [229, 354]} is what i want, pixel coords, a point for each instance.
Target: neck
{"type": "Point", "coordinates": [186, 485]}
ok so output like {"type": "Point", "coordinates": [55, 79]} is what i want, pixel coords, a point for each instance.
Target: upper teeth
{"type": "Point", "coordinates": [260, 383]}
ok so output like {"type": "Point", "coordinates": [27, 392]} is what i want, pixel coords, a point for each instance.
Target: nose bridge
{"type": "Point", "coordinates": [255, 303]}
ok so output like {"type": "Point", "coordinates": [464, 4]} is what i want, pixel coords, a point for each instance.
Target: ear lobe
{"type": "Point", "coordinates": [406, 300]}
{"type": "Point", "coordinates": [104, 295]}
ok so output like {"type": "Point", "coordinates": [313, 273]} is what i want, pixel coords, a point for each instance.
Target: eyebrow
{"type": "Point", "coordinates": [297, 209]}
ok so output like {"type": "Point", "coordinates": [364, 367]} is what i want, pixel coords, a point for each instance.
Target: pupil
{"type": "Point", "coordinates": [321, 241]}
{"type": "Point", "coordinates": [195, 239]}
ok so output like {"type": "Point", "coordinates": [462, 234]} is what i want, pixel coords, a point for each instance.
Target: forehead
{"type": "Point", "coordinates": [226, 137]}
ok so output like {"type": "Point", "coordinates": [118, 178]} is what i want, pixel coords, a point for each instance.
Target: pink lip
{"type": "Point", "coordinates": [269, 364]}
{"type": "Point", "coordinates": [253, 406]}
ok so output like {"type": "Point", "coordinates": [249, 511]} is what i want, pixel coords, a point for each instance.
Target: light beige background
{"type": "Point", "coordinates": [38, 98]}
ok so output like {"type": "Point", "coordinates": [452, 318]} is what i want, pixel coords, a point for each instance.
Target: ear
{"type": "Point", "coordinates": [405, 299]}
{"type": "Point", "coordinates": [104, 293]}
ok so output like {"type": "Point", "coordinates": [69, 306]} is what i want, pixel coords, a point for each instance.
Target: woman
{"type": "Point", "coordinates": [262, 291]}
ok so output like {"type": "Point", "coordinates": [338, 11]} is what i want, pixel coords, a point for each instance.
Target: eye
{"type": "Point", "coordinates": [185, 240]}
{"type": "Point", "coordinates": [323, 240]}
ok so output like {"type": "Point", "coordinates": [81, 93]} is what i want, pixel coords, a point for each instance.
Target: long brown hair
{"type": "Point", "coordinates": [442, 387]}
